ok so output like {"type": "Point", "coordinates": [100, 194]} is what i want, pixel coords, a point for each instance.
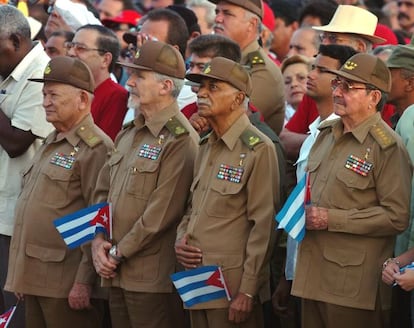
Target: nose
{"type": "Point", "coordinates": [71, 52]}
{"type": "Point", "coordinates": [218, 18]}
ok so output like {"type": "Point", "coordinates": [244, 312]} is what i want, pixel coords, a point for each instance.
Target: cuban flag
{"type": "Point", "coordinates": [6, 317]}
{"type": "Point", "coordinates": [81, 226]}
{"type": "Point", "coordinates": [292, 215]}
{"type": "Point", "coordinates": [200, 285]}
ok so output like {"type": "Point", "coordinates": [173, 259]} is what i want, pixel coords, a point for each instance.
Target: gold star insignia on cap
{"type": "Point", "coordinates": [47, 69]}
{"type": "Point", "coordinates": [207, 69]}
{"type": "Point", "coordinates": [350, 65]}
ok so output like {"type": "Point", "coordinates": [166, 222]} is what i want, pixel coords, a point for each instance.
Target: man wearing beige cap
{"type": "Point", "coordinates": [56, 283]}
{"type": "Point", "coordinates": [360, 185]}
{"type": "Point", "coordinates": [147, 180]}
{"type": "Point", "coordinates": [230, 221]}
{"type": "Point", "coordinates": [240, 20]}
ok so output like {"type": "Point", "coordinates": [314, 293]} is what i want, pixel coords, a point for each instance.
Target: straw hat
{"type": "Point", "coordinates": [354, 20]}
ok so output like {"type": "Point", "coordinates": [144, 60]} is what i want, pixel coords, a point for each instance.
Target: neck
{"type": "Point", "coordinates": [100, 76]}
{"type": "Point", "coordinates": [402, 105]}
{"type": "Point", "coordinates": [220, 124]}
{"type": "Point", "coordinates": [64, 127]}
{"type": "Point", "coordinates": [150, 111]}
{"type": "Point", "coordinates": [325, 107]}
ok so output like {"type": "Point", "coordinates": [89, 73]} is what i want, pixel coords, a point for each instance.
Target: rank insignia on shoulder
{"type": "Point", "coordinates": [230, 173]}
{"type": "Point", "coordinates": [256, 58]}
{"type": "Point", "coordinates": [250, 138]}
{"type": "Point", "coordinates": [149, 151]}
{"type": "Point", "coordinates": [384, 138]}
{"type": "Point", "coordinates": [62, 160]}
{"type": "Point", "coordinates": [175, 127]}
{"type": "Point", "coordinates": [88, 136]}
{"type": "Point", "coordinates": [358, 165]}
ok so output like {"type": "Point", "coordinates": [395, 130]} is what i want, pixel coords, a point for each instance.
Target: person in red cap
{"type": "Point", "coordinates": [122, 23]}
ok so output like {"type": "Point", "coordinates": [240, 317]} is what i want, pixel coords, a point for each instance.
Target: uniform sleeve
{"type": "Point", "coordinates": [167, 203]}
{"type": "Point", "coordinates": [261, 205]}
{"type": "Point", "coordinates": [393, 188]}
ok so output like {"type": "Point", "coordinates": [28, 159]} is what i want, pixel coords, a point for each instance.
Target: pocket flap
{"type": "Point", "coordinates": [226, 262]}
{"type": "Point", "coordinates": [58, 173]}
{"type": "Point", "coordinates": [313, 165]}
{"type": "Point", "coordinates": [147, 165]}
{"type": "Point", "coordinates": [224, 187]}
{"type": "Point", "coordinates": [115, 158]}
{"type": "Point", "coordinates": [344, 257]}
{"type": "Point", "coordinates": [45, 254]}
{"type": "Point", "coordinates": [352, 179]}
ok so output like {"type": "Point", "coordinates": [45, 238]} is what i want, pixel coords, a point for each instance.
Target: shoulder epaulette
{"type": "Point", "coordinates": [255, 58]}
{"type": "Point", "coordinates": [204, 139]}
{"type": "Point", "coordinates": [176, 127]}
{"type": "Point", "coordinates": [327, 123]}
{"type": "Point", "coordinates": [88, 135]}
{"type": "Point", "coordinates": [250, 138]}
{"type": "Point", "coordinates": [384, 138]}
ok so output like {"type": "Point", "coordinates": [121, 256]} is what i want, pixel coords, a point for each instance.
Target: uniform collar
{"type": "Point", "coordinates": [254, 46]}
{"type": "Point", "coordinates": [233, 133]}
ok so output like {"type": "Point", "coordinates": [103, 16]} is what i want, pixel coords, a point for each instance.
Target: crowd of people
{"type": "Point", "coordinates": [195, 120]}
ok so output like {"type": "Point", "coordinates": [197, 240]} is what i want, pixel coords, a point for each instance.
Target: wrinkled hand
{"type": "Point", "coordinates": [281, 296]}
{"type": "Point", "coordinates": [240, 308]}
{"type": "Point", "coordinates": [316, 218]}
{"type": "Point", "coordinates": [19, 296]}
{"type": "Point", "coordinates": [104, 265]}
{"type": "Point", "coordinates": [200, 124]}
{"type": "Point", "coordinates": [79, 296]}
{"type": "Point", "coordinates": [189, 256]}
{"type": "Point", "coordinates": [388, 273]}
{"type": "Point", "coordinates": [405, 280]}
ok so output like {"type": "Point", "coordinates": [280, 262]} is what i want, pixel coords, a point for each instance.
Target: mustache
{"type": "Point", "coordinates": [203, 102]}
{"type": "Point", "coordinates": [403, 15]}
{"type": "Point", "coordinates": [218, 27]}
{"type": "Point", "coordinates": [338, 101]}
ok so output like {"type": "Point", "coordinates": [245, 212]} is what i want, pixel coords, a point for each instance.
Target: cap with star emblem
{"type": "Point", "coordinates": [366, 69]}
{"type": "Point", "coordinates": [159, 57]}
{"type": "Point", "coordinates": [226, 70]}
{"type": "Point", "coordinates": [68, 70]}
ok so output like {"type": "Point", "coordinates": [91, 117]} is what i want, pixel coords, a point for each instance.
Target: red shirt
{"type": "Point", "coordinates": [109, 107]}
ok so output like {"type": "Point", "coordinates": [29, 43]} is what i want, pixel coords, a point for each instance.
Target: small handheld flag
{"type": "Point", "coordinates": [292, 215]}
{"type": "Point", "coordinates": [6, 317]}
{"type": "Point", "coordinates": [200, 285]}
{"type": "Point", "coordinates": [81, 226]}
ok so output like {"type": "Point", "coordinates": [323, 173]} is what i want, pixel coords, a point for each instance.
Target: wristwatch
{"type": "Point", "coordinates": [113, 252]}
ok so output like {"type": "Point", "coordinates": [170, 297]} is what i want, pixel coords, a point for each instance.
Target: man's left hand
{"type": "Point", "coordinates": [79, 296]}
{"type": "Point", "coordinates": [240, 308]}
{"type": "Point", "coordinates": [316, 218]}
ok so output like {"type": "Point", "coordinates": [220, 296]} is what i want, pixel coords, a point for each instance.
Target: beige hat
{"type": "Point", "coordinates": [159, 57]}
{"type": "Point", "coordinates": [353, 20]}
{"type": "Point", "coordinates": [226, 70]}
{"type": "Point", "coordinates": [254, 6]}
{"type": "Point", "coordinates": [35, 26]}
{"type": "Point", "coordinates": [367, 69]}
{"type": "Point", "coordinates": [68, 70]}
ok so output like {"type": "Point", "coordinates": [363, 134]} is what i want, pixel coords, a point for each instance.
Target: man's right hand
{"type": "Point", "coordinates": [101, 261]}
{"type": "Point", "coordinates": [281, 296]}
{"type": "Point", "coordinates": [189, 256]}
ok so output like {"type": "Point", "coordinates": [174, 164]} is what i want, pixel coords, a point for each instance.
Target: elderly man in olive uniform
{"type": "Point", "coordinates": [240, 20]}
{"type": "Point", "coordinates": [360, 178]}
{"type": "Point", "coordinates": [56, 282]}
{"type": "Point", "coordinates": [149, 182]}
{"type": "Point", "coordinates": [234, 195]}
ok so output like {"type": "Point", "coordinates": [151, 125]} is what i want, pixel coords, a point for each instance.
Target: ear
{"type": "Point", "coordinates": [238, 100]}
{"type": "Point", "coordinates": [166, 87]}
{"type": "Point", "coordinates": [107, 59]}
{"type": "Point", "coordinates": [84, 100]}
{"type": "Point", "coordinates": [294, 26]}
{"type": "Point", "coordinates": [193, 36]}
{"type": "Point", "coordinates": [15, 39]}
{"type": "Point", "coordinates": [376, 97]}
{"type": "Point", "coordinates": [410, 84]}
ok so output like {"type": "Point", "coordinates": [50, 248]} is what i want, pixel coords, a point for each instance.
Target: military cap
{"type": "Point", "coordinates": [159, 57]}
{"type": "Point", "coordinates": [402, 57]}
{"type": "Point", "coordinates": [366, 69]}
{"type": "Point", "coordinates": [225, 70]}
{"type": "Point", "coordinates": [68, 70]}
{"type": "Point", "coordinates": [254, 6]}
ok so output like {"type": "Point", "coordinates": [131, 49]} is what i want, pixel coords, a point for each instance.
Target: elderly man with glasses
{"type": "Point", "coordinates": [360, 185]}
{"type": "Point", "coordinates": [99, 48]}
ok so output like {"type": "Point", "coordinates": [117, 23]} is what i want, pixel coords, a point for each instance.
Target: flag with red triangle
{"type": "Point", "coordinates": [6, 317]}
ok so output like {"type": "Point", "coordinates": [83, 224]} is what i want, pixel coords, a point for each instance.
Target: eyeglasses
{"type": "Point", "coordinates": [406, 3]}
{"type": "Point", "coordinates": [346, 86]}
{"type": "Point", "coordinates": [332, 38]}
{"type": "Point", "coordinates": [78, 47]}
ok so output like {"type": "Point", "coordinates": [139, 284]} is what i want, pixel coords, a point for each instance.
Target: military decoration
{"type": "Point", "coordinates": [358, 165]}
{"type": "Point", "coordinates": [62, 160]}
{"type": "Point", "coordinates": [149, 151]}
{"type": "Point", "coordinates": [230, 173]}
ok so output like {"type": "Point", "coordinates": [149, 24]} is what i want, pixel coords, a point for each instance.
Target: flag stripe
{"type": "Point", "coordinates": [205, 298]}
{"type": "Point", "coordinates": [192, 279]}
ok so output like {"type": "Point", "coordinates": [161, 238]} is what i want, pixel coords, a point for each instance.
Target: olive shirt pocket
{"type": "Point", "coordinates": [55, 185]}
{"type": "Point", "coordinates": [44, 266]}
{"type": "Point", "coordinates": [142, 178]}
{"type": "Point", "coordinates": [342, 271]}
{"type": "Point", "coordinates": [225, 199]}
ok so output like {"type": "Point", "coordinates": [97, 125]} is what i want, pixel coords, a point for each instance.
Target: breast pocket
{"type": "Point", "coordinates": [342, 271]}
{"type": "Point", "coordinates": [55, 185]}
{"type": "Point", "coordinates": [142, 178]}
{"type": "Point", "coordinates": [226, 199]}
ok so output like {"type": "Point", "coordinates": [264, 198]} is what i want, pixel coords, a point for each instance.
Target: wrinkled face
{"type": "Point", "coordinates": [109, 8]}
{"type": "Point", "coordinates": [318, 85]}
{"type": "Point", "coordinates": [55, 46]}
{"type": "Point", "coordinates": [303, 43]}
{"type": "Point", "coordinates": [62, 103]}
{"type": "Point", "coordinates": [295, 76]}
{"type": "Point", "coordinates": [406, 13]}
{"type": "Point", "coordinates": [231, 21]}
{"type": "Point", "coordinates": [143, 88]}
{"type": "Point", "coordinates": [215, 99]}
{"type": "Point", "coordinates": [398, 86]}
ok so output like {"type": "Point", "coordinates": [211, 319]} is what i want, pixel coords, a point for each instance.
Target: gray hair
{"type": "Point", "coordinates": [210, 15]}
{"type": "Point", "coordinates": [177, 83]}
{"type": "Point", "coordinates": [12, 21]}
{"type": "Point", "coordinates": [249, 15]}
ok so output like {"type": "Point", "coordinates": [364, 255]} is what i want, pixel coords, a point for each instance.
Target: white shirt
{"type": "Point", "coordinates": [21, 101]}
